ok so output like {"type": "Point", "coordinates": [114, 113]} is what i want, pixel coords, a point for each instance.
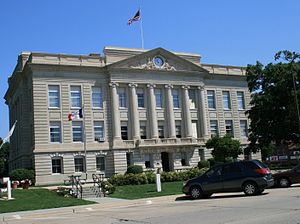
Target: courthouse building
{"type": "Point", "coordinates": [152, 108]}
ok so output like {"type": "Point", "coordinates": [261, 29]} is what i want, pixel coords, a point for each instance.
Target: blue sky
{"type": "Point", "coordinates": [231, 32]}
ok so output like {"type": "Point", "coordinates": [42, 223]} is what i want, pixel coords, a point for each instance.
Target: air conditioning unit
{"type": "Point", "coordinates": [100, 139]}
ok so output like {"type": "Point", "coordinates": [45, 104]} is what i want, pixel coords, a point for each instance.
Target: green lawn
{"type": "Point", "coordinates": [39, 198]}
{"type": "Point", "coordinates": [147, 190]}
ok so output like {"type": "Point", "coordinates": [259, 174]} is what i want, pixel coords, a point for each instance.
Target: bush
{"type": "Point", "coordinates": [203, 164]}
{"type": "Point", "coordinates": [134, 169]}
{"type": "Point", "coordinates": [107, 187]}
{"type": "Point", "coordinates": [22, 174]}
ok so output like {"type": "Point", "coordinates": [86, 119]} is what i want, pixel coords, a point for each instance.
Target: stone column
{"type": "Point", "coordinates": [170, 112]}
{"type": "Point", "coordinates": [152, 111]}
{"type": "Point", "coordinates": [202, 111]}
{"type": "Point", "coordinates": [187, 112]}
{"type": "Point", "coordinates": [116, 125]}
{"type": "Point", "coordinates": [134, 111]}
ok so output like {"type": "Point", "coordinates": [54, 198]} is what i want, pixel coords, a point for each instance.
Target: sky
{"type": "Point", "coordinates": [231, 32]}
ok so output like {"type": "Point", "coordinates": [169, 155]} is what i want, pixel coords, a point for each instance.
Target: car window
{"type": "Point", "coordinates": [251, 165]}
{"type": "Point", "coordinates": [297, 168]}
{"type": "Point", "coordinates": [231, 168]}
{"type": "Point", "coordinates": [215, 171]}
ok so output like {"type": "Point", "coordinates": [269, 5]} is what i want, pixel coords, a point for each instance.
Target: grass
{"type": "Point", "coordinates": [33, 199]}
{"type": "Point", "coordinates": [147, 190]}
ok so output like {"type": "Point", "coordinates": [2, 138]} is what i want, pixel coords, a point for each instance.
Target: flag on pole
{"type": "Point", "coordinates": [11, 131]}
{"type": "Point", "coordinates": [136, 17]}
{"type": "Point", "coordinates": [75, 115]}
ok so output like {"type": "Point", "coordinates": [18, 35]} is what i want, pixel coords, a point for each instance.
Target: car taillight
{"type": "Point", "coordinates": [263, 171]}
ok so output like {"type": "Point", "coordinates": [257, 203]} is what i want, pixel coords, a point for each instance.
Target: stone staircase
{"type": "Point", "coordinates": [91, 192]}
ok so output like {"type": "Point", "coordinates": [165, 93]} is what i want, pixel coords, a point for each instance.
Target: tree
{"type": "Point", "coordinates": [224, 148]}
{"type": "Point", "coordinates": [4, 152]}
{"type": "Point", "coordinates": [274, 112]}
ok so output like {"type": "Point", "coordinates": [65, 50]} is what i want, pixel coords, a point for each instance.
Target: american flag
{"type": "Point", "coordinates": [135, 18]}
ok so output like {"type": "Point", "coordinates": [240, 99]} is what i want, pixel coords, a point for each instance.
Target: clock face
{"type": "Point", "coordinates": [158, 61]}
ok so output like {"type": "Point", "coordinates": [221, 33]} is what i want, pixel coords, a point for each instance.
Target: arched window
{"type": "Point", "coordinates": [79, 163]}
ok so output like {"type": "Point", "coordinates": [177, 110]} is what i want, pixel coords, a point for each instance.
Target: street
{"type": "Point", "coordinates": [274, 206]}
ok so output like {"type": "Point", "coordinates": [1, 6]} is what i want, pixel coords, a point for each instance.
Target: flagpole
{"type": "Point", "coordinates": [84, 140]}
{"type": "Point", "coordinates": [141, 28]}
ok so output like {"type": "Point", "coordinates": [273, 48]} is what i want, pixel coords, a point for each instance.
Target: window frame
{"type": "Point", "coordinates": [55, 124]}
{"type": "Point", "coordinates": [54, 166]}
{"type": "Point", "coordinates": [245, 129]}
{"type": "Point", "coordinates": [57, 96]}
{"type": "Point", "coordinates": [124, 124]}
{"type": "Point", "coordinates": [231, 125]}
{"type": "Point", "coordinates": [97, 90]}
{"type": "Point", "coordinates": [77, 96]}
{"type": "Point", "coordinates": [76, 158]}
{"type": "Point", "coordinates": [212, 122]}
{"type": "Point", "coordinates": [100, 167]}
{"type": "Point", "coordinates": [98, 124]}
{"type": "Point", "coordinates": [226, 100]}
{"type": "Point", "coordinates": [75, 124]}
{"type": "Point", "coordinates": [211, 99]}
{"type": "Point", "coordinates": [241, 100]}
{"type": "Point", "coordinates": [158, 100]}
{"type": "Point", "coordinates": [176, 98]}
{"type": "Point", "coordinates": [140, 93]}
{"type": "Point", "coordinates": [122, 97]}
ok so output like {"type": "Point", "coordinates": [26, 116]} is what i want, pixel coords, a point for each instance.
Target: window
{"type": "Point", "coordinates": [229, 127]}
{"type": "Point", "coordinates": [143, 130]}
{"type": "Point", "coordinates": [192, 98]}
{"type": "Point", "coordinates": [148, 161]}
{"type": "Point", "coordinates": [79, 164]}
{"type": "Point", "coordinates": [243, 129]}
{"type": "Point", "coordinates": [124, 130]}
{"type": "Point", "coordinates": [178, 129]}
{"type": "Point", "coordinates": [77, 131]}
{"type": "Point", "coordinates": [241, 100]}
{"type": "Point", "coordinates": [129, 158]}
{"type": "Point", "coordinates": [211, 99]}
{"type": "Point", "coordinates": [140, 98]}
{"type": "Point", "coordinates": [184, 159]}
{"type": "Point", "coordinates": [214, 128]}
{"type": "Point", "coordinates": [231, 169]}
{"type": "Point", "coordinates": [226, 100]}
{"type": "Point", "coordinates": [100, 163]}
{"type": "Point", "coordinates": [99, 131]}
{"type": "Point", "coordinates": [57, 165]}
{"type": "Point", "coordinates": [158, 98]}
{"type": "Point", "coordinates": [175, 93]}
{"type": "Point", "coordinates": [53, 96]}
{"type": "Point", "coordinates": [55, 131]}
{"type": "Point", "coordinates": [96, 97]}
{"type": "Point", "coordinates": [75, 97]}
{"type": "Point", "coordinates": [161, 131]}
{"type": "Point", "coordinates": [122, 97]}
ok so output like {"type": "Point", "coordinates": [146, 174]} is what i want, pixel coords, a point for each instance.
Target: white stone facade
{"type": "Point", "coordinates": [152, 108]}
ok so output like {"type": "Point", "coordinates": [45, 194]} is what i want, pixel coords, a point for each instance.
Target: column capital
{"type": "Point", "coordinates": [185, 87]}
{"type": "Point", "coordinates": [201, 87]}
{"type": "Point", "coordinates": [132, 85]}
{"type": "Point", "coordinates": [151, 85]}
{"type": "Point", "coordinates": [113, 84]}
{"type": "Point", "coordinates": [168, 86]}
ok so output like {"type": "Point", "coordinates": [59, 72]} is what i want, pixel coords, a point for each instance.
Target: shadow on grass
{"type": "Point", "coordinates": [189, 198]}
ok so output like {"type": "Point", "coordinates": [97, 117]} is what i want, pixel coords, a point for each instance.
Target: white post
{"type": "Point", "coordinates": [141, 29]}
{"type": "Point", "coordinates": [8, 189]}
{"type": "Point", "coordinates": [157, 180]}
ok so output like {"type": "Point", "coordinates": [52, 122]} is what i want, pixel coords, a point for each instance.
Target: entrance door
{"type": "Point", "coordinates": [165, 161]}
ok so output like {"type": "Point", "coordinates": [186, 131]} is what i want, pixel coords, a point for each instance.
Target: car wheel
{"type": "Point", "coordinates": [196, 192]}
{"type": "Point", "coordinates": [250, 188]}
{"type": "Point", "coordinates": [284, 182]}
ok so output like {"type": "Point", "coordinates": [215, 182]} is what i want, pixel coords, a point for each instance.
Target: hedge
{"type": "Point", "coordinates": [149, 177]}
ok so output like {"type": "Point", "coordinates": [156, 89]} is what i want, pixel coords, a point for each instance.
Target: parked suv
{"type": "Point", "coordinates": [286, 178]}
{"type": "Point", "coordinates": [251, 177]}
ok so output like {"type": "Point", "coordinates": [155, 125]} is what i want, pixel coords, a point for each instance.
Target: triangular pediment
{"type": "Point", "coordinates": [157, 59]}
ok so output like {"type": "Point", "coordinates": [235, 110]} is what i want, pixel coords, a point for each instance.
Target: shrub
{"type": "Point", "coordinates": [135, 169]}
{"type": "Point", "coordinates": [22, 174]}
{"type": "Point", "coordinates": [203, 164]}
{"type": "Point", "coordinates": [107, 187]}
